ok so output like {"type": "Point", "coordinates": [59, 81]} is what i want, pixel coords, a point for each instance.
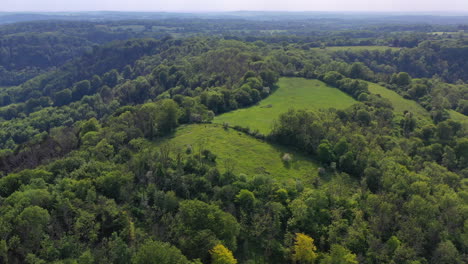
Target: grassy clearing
{"type": "Point", "coordinates": [356, 48]}
{"type": "Point", "coordinates": [459, 117]}
{"type": "Point", "coordinates": [296, 93]}
{"type": "Point", "coordinates": [399, 103]}
{"type": "Point", "coordinates": [246, 154]}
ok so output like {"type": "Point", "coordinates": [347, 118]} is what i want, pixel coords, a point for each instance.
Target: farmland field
{"type": "Point", "coordinates": [246, 154]}
{"type": "Point", "coordinates": [296, 93]}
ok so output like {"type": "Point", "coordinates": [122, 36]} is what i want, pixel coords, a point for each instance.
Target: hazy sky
{"type": "Point", "coordinates": [233, 5]}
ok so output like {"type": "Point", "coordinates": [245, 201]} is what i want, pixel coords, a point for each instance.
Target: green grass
{"type": "Point", "coordinates": [459, 117]}
{"type": "Point", "coordinates": [295, 93]}
{"type": "Point", "coordinates": [357, 48]}
{"type": "Point", "coordinates": [246, 154]}
{"type": "Point", "coordinates": [399, 103]}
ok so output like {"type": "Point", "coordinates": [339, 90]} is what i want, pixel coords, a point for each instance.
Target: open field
{"type": "Point", "coordinates": [356, 48]}
{"type": "Point", "coordinates": [399, 103]}
{"type": "Point", "coordinates": [298, 93]}
{"type": "Point", "coordinates": [244, 153]}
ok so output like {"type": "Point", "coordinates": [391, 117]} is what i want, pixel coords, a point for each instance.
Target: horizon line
{"type": "Point", "coordinates": [234, 11]}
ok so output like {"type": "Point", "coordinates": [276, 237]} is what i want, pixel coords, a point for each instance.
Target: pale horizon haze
{"type": "Point", "coordinates": [457, 6]}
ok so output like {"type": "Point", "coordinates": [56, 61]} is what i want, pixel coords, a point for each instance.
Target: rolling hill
{"type": "Point", "coordinates": [246, 154]}
{"type": "Point", "coordinates": [399, 103]}
{"type": "Point", "coordinates": [292, 93]}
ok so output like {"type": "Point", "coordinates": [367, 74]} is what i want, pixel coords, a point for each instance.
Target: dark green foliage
{"type": "Point", "coordinates": [63, 97]}
{"type": "Point", "coordinates": [84, 179]}
{"type": "Point", "coordinates": [155, 252]}
{"type": "Point", "coordinates": [200, 226]}
{"type": "Point", "coordinates": [325, 152]}
{"type": "Point", "coordinates": [81, 89]}
{"type": "Point", "coordinates": [111, 78]}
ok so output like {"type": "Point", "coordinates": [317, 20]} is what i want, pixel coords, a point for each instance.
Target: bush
{"type": "Point", "coordinates": [287, 158]}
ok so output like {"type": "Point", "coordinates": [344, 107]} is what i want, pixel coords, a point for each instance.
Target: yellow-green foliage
{"type": "Point", "coordinates": [222, 255]}
{"type": "Point", "coordinates": [296, 93]}
{"type": "Point", "coordinates": [304, 249]}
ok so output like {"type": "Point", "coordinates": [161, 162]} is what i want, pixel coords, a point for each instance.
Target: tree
{"type": "Point", "coordinates": [446, 253]}
{"type": "Point", "coordinates": [127, 72]}
{"type": "Point", "coordinates": [304, 249]}
{"type": "Point", "coordinates": [117, 250]}
{"type": "Point", "coordinates": [332, 78]}
{"type": "Point", "coordinates": [89, 125]}
{"type": "Point", "coordinates": [243, 97]}
{"type": "Point", "coordinates": [111, 78]}
{"type": "Point", "coordinates": [339, 255]}
{"type": "Point", "coordinates": [86, 258]}
{"type": "Point", "coordinates": [449, 158]}
{"type": "Point", "coordinates": [417, 90]}
{"type": "Point", "coordinates": [81, 89]}
{"type": "Point", "coordinates": [96, 83]}
{"type": "Point", "coordinates": [200, 226]}
{"type": "Point", "coordinates": [155, 252]}
{"type": "Point", "coordinates": [141, 90]}
{"type": "Point", "coordinates": [167, 116]}
{"type": "Point", "coordinates": [246, 199]}
{"type": "Point", "coordinates": [461, 150]}
{"type": "Point", "coordinates": [401, 79]}
{"type": "Point", "coordinates": [269, 78]}
{"type": "Point", "coordinates": [325, 152]}
{"type": "Point", "coordinates": [363, 117]}
{"type": "Point", "coordinates": [63, 97]}
{"type": "Point", "coordinates": [444, 131]}
{"type": "Point", "coordinates": [222, 255]}
{"type": "Point", "coordinates": [359, 71]}
{"type": "Point", "coordinates": [3, 251]}
{"type": "Point", "coordinates": [341, 147]}
{"type": "Point", "coordinates": [103, 150]}
{"type": "Point", "coordinates": [31, 225]}
{"type": "Point", "coordinates": [114, 184]}
{"type": "Point", "coordinates": [163, 78]}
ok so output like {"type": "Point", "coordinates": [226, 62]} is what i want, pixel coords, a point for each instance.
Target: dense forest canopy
{"type": "Point", "coordinates": [94, 168]}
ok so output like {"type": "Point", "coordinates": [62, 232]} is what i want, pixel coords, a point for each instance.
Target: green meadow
{"type": "Point", "coordinates": [399, 103]}
{"type": "Point", "coordinates": [242, 152]}
{"type": "Point", "coordinates": [298, 93]}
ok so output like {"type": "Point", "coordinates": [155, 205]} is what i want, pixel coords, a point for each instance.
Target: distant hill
{"type": "Point", "coordinates": [375, 17]}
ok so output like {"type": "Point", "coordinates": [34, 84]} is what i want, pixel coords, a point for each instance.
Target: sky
{"type": "Point", "coordinates": [236, 5]}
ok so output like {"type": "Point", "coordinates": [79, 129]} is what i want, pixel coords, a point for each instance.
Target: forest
{"type": "Point", "coordinates": [225, 139]}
